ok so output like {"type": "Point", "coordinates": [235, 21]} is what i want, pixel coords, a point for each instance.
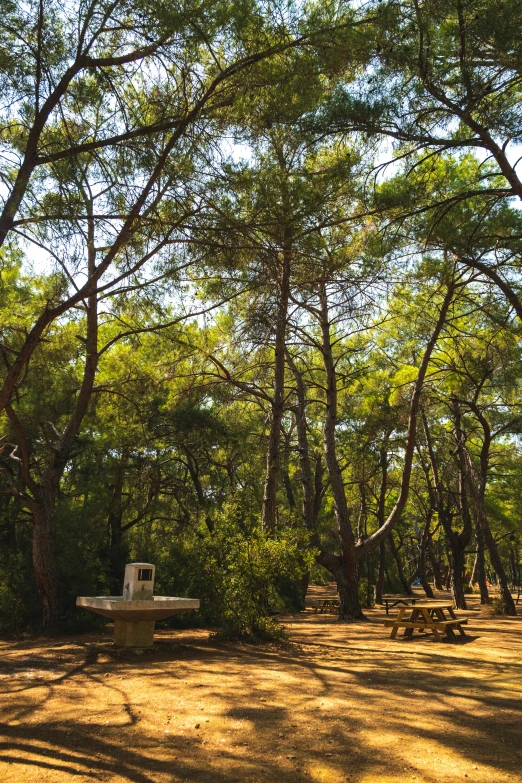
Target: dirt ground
{"type": "Point", "coordinates": [339, 703]}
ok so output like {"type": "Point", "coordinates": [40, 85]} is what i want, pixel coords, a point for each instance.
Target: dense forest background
{"type": "Point", "coordinates": [260, 303]}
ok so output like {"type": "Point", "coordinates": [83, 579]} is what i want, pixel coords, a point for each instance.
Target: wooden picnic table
{"type": "Point", "coordinates": [327, 605]}
{"type": "Point", "coordinates": [428, 616]}
{"type": "Point", "coordinates": [390, 601]}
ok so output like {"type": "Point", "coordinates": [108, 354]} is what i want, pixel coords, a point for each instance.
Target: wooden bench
{"type": "Point", "coordinates": [427, 617]}
{"type": "Point", "coordinates": [440, 624]}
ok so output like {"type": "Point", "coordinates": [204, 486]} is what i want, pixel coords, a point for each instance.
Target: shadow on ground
{"type": "Point", "coordinates": [340, 702]}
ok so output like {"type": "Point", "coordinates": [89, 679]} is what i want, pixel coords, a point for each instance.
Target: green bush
{"type": "Point", "coordinates": [499, 606]}
{"type": "Point", "coordinates": [20, 608]}
{"type": "Point", "coordinates": [241, 577]}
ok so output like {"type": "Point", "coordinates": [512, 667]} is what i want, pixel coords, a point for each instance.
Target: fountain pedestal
{"type": "Point", "coordinates": [134, 634]}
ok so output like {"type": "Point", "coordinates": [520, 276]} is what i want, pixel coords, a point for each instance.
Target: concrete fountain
{"type": "Point", "coordinates": [136, 611]}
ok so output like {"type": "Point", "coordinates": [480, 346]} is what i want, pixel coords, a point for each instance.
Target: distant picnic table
{"type": "Point", "coordinates": [390, 601]}
{"type": "Point", "coordinates": [330, 605]}
{"type": "Point", "coordinates": [429, 616]}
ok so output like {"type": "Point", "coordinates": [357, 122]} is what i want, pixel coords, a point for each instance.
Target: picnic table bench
{"type": "Point", "coordinates": [429, 616]}
{"type": "Point", "coordinates": [326, 605]}
{"type": "Point", "coordinates": [390, 601]}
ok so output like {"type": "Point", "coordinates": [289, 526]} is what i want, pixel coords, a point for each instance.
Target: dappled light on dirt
{"type": "Point", "coordinates": [341, 702]}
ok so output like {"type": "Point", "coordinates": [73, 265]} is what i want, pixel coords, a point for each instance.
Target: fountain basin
{"type": "Point", "coordinates": [157, 608]}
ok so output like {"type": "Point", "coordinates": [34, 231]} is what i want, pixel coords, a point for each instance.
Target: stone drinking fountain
{"type": "Point", "coordinates": [136, 611]}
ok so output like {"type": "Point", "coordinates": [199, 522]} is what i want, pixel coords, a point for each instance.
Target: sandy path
{"type": "Point", "coordinates": [340, 703]}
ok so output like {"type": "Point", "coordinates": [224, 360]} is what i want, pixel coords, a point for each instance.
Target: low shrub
{"type": "Point", "coordinates": [498, 605]}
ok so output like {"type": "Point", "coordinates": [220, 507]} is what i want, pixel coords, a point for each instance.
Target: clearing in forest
{"type": "Point", "coordinates": [338, 703]}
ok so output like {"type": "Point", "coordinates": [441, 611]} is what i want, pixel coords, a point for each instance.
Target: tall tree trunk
{"type": "Point", "coordinates": [312, 484]}
{"type": "Point", "coordinates": [457, 575]}
{"type": "Point", "coordinates": [348, 589]}
{"type": "Point", "coordinates": [479, 567]}
{"type": "Point", "coordinates": [464, 501]}
{"type": "Point", "coordinates": [193, 470]}
{"type": "Point", "coordinates": [268, 514]}
{"type": "Point", "coordinates": [347, 582]}
{"type": "Point", "coordinates": [478, 486]}
{"type": "Point", "coordinates": [427, 549]}
{"type": "Point", "coordinates": [379, 582]}
{"type": "Point", "coordinates": [374, 540]}
{"type": "Point", "coordinates": [515, 569]}
{"type": "Point", "coordinates": [496, 562]}
{"type": "Point", "coordinates": [344, 566]}
{"type": "Point", "coordinates": [45, 490]}
{"type": "Point", "coordinates": [437, 571]}
{"type": "Point", "coordinates": [288, 488]}
{"type": "Point", "coordinates": [448, 575]}
{"type": "Point", "coordinates": [424, 545]}
{"type": "Point", "coordinates": [117, 551]}
{"type": "Point", "coordinates": [406, 586]}
{"type": "Point", "coordinates": [46, 573]}
{"type": "Point", "coordinates": [381, 518]}
{"type": "Point", "coordinates": [457, 542]}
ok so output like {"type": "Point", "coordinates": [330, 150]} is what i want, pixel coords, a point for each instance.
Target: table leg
{"type": "Point", "coordinates": [413, 616]}
{"type": "Point", "coordinates": [442, 617]}
{"type": "Point", "coordinates": [430, 620]}
{"type": "Point", "coordinates": [454, 617]}
{"type": "Point", "coordinates": [436, 634]}
{"type": "Point", "coordinates": [397, 620]}
{"type": "Point", "coordinates": [449, 630]}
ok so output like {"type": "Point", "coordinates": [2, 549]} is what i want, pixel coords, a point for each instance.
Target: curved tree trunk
{"type": "Point", "coordinates": [45, 490]}
{"type": "Point", "coordinates": [346, 577]}
{"type": "Point", "coordinates": [456, 541]}
{"type": "Point", "coordinates": [350, 606]}
{"type": "Point", "coordinates": [374, 540]}
{"type": "Point", "coordinates": [478, 487]}
{"type": "Point", "coordinates": [496, 562]}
